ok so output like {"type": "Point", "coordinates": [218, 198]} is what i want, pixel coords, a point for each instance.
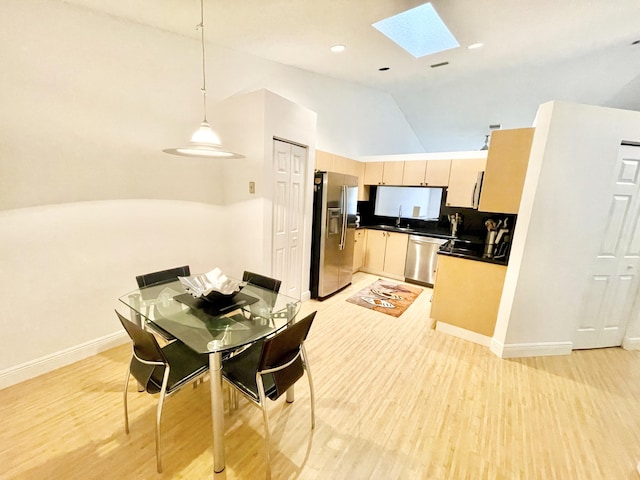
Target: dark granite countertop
{"type": "Point", "coordinates": [468, 247]}
{"type": "Point", "coordinates": [435, 231]}
{"type": "Point", "coordinates": [469, 250]}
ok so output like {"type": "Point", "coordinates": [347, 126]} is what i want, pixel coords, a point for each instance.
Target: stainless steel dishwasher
{"type": "Point", "coordinates": [422, 259]}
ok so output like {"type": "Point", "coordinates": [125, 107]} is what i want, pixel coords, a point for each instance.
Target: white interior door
{"type": "Point", "coordinates": [613, 285]}
{"type": "Point", "coordinates": [288, 215]}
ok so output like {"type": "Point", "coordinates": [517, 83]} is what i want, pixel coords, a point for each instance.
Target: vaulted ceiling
{"type": "Point", "coordinates": [534, 51]}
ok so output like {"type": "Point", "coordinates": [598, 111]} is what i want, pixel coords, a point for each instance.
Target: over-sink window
{"type": "Point", "coordinates": [408, 202]}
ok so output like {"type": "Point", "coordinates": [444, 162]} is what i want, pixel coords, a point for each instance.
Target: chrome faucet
{"type": "Point", "coordinates": [399, 216]}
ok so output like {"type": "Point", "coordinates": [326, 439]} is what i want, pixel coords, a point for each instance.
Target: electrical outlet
{"type": "Point", "coordinates": [252, 187]}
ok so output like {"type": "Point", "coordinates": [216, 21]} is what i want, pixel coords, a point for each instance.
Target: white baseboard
{"type": "Point", "coordinates": [517, 350]}
{"type": "Point", "coordinates": [382, 274]}
{"type": "Point", "coordinates": [631, 343]}
{"type": "Point", "coordinates": [462, 333]}
{"type": "Point", "coordinates": [39, 366]}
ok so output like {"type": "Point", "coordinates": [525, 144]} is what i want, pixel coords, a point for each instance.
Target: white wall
{"type": "Point", "coordinates": [563, 211]}
{"type": "Point", "coordinates": [87, 198]}
{"type": "Point", "coordinates": [252, 121]}
{"type": "Point", "coordinates": [90, 101]}
{"type": "Point", "coordinates": [64, 266]}
{"type": "Point", "coordinates": [456, 114]}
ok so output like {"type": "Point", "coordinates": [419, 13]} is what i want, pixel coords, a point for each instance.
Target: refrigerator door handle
{"type": "Point", "coordinates": [343, 201]}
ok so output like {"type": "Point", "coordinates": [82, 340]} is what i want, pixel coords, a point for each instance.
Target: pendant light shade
{"type": "Point", "coordinates": [205, 141]}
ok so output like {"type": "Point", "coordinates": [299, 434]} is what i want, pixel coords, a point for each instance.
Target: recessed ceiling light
{"type": "Point", "coordinates": [441, 64]}
{"type": "Point", "coordinates": [383, 69]}
{"type": "Point", "coordinates": [636, 42]}
{"type": "Point", "coordinates": [420, 31]}
{"type": "Point", "coordinates": [473, 46]}
{"type": "Point", "coordinates": [338, 48]}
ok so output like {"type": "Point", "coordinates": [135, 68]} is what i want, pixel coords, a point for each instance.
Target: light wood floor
{"type": "Point", "coordinates": [394, 400]}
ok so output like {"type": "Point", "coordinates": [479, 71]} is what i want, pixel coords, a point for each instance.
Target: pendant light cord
{"type": "Point", "coordinates": [204, 75]}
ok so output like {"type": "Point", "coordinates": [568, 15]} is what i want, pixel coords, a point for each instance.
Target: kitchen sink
{"type": "Point", "coordinates": [464, 247]}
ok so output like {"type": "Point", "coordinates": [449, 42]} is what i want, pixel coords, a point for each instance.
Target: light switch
{"type": "Point", "coordinates": [252, 187]}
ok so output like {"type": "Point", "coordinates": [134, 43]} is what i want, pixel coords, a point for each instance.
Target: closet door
{"type": "Point", "coordinates": [613, 284]}
{"type": "Point", "coordinates": [288, 215]}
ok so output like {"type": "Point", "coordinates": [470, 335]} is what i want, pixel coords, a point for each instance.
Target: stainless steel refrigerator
{"type": "Point", "coordinates": [335, 201]}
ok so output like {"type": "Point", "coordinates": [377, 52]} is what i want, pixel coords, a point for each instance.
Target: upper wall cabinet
{"type": "Point", "coordinates": [463, 180]}
{"type": "Point", "coordinates": [330, 162]}
{"type": "Point", "coordinates": [324, 161]}
{"type": "Point", "coordinates": [432, 173]}
{"type": "Point", "coordinates": [507, 162]}
{"type": "Point", "coordinates": [383, 173]}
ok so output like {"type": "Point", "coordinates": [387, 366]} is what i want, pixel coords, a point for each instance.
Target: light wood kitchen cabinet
{"type": "Point", "coordinates": [467, 293]}
{"type": "Point", "coordinates": [373, 173]}
{"type": "Point", "coordinates": [363, 192]}
{"type": "Point", "coordinates": [426, 173]}
{"type": "Point", "coordinates": [330, 162]}
{"type": "Point", "coordinates": [383, 173]}
{"type": "Point", "coordinates": [507, 162]}
{"type": "Point", "coordinates": [386, 253]}
{"type": "Point", "coordinates": [359, 249]}
{"type": "Point", "coordinates": [462, 182]}
{"type": "Point", "coordinates": [324, 161]}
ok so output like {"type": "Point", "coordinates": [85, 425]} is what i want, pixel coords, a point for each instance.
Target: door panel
{"type": "Point", "coordinates": [617, 216]}
{"type": "Point", "coordinates": [281, 153]}
{"type": "Point", "coordinates": [613, 286]}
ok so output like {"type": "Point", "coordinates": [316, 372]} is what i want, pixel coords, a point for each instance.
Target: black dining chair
{"type": "Point", "coordinates": [268, 283]}
{"type": "Point", "coordinates": [159, 370]}
{"type": "Point", "coordinates": [261, 281]}
{"type": "Point", "coordinates": [158, 278]}
{"type": "Point", "coordinates": [269, 368]}
{"type": "Point", "coordinates": [162, 276]}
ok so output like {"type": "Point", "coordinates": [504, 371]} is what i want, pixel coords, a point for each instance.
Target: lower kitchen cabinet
{"type": "Point", "coordinates": [467, 294]}
{"type": "Point", "coordinates": [386, 253]}
{"type": "Point", "coordinates": [359, 248]}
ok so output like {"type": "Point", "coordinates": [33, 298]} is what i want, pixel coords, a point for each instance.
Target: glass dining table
{"type": "Point", "coordinates": [214, 327]}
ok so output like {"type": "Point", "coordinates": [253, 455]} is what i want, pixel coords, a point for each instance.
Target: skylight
{"type": "Point", "coordinates": [420, 31]}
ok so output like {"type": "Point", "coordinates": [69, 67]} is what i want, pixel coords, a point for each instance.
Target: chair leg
{"type": "Point", "coordinates": [311, 393]}
{"type": "Point", "coordinates": [124, 397]}
{"type": "Point", "coordinates": [163, 392]}
{"type": "Point", "coordinates": [158, 419]}
{"type": "Point", "coordinates": [267, 431]}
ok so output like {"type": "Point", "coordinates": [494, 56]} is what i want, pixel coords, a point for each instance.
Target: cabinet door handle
{"type": "Point", "coordinates": [473, 195]}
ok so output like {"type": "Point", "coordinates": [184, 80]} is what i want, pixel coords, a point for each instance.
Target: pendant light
{"type": "Point", "coordinates": [204, 142]}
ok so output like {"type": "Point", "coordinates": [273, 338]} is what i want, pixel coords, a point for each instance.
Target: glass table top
{"type": "Point", "coordinates": [225, 323]}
